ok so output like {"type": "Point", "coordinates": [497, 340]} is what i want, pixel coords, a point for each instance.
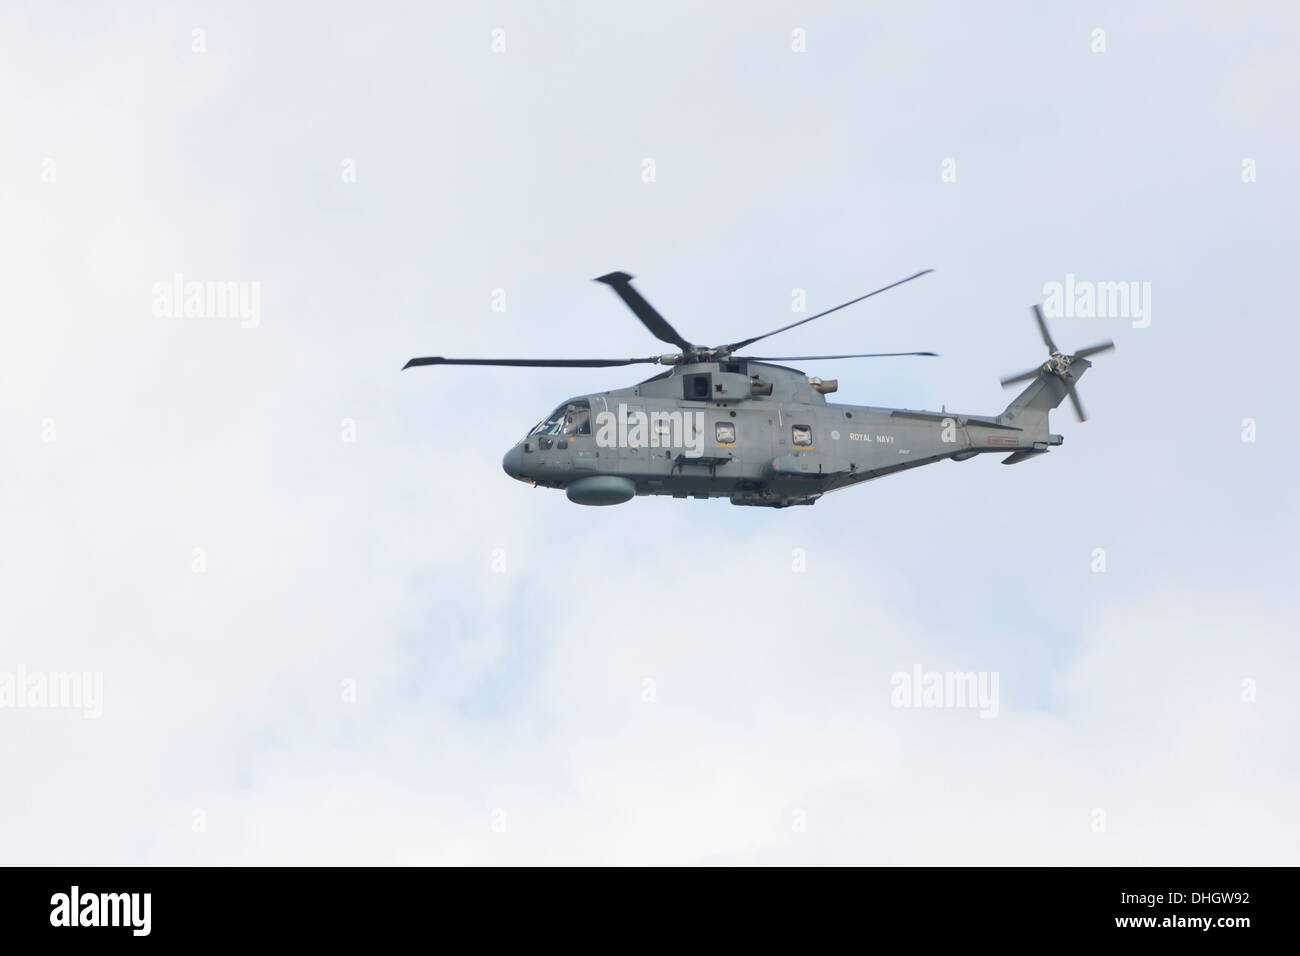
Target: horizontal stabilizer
{"type": "Point", "coordinates": [1022, 455]}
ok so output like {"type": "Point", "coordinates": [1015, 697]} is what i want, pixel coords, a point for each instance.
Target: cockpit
{"type": "Point", "coordinates": [571, 418]}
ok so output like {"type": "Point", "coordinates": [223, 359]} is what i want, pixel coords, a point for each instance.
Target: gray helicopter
{"type": "Point", "coordinates": [718, 424]}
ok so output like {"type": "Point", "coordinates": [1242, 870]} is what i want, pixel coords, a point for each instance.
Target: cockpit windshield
{"type": "Point", "coordinates": [571, 418]}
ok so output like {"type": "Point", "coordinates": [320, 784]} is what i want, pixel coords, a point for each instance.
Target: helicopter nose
{"type": "Point", "coordinates": [513, 462]}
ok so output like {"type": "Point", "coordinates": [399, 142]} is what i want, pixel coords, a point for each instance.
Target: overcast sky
{"type": "Point", "coordinates": [331, 629]}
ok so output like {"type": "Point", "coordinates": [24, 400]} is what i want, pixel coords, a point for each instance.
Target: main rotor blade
{"type": "Point", "coordinates": [1094, 349]}
{"type": "Point", "coordinates": [621, 283]}
{"type": "Point", "coordinates": [785, 328]}
{"type": "Point", "coordinates": [1042, 327]}
{"type": "Point", "coordinates": [1074, 400]}
{"type": "Point", "coordinates": [822, 358]}
{"type": "Point", "coordinates": [1022, 377]}
{"type": "Point", "coordinates": [534, 363]}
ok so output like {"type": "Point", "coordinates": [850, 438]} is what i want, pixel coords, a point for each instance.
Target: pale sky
{"type": "Point", "coordinates": [538, 682]}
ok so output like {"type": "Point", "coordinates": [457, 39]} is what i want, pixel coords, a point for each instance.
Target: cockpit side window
{"type": "Point", "coordinates": [550, 425]}
{"type": "Point", "coordinates": [571, 418]}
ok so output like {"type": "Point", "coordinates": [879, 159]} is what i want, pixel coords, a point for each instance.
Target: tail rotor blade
{"type": "Point", "coordinates": [1042, 327]}
{"type": "Point", "coordinates": [1074, 400]}
{"type": "Point", "coordinates": [1023, 377]}
{"type": "Point", "coordinates": [1106, 346]}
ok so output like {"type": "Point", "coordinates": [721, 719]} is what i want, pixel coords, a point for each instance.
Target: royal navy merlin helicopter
{"type": "Point", "coordinates": [719, 424]}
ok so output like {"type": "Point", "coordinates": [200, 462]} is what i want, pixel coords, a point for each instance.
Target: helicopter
{"type": "Point", "coordinates": [718, 424]}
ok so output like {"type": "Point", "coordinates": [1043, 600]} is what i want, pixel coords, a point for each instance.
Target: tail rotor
{"type": "Point", "coordinates": [1058, 364]}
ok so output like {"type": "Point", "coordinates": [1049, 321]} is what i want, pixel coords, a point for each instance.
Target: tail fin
{"type": "Point", "coordinates": [1029, 409]}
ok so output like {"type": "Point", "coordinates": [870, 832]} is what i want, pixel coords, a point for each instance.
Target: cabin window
{"type": "Point", "coordinates": [725, 433]}
{"type": "Point", "coordinates": [696, 387]}
{"type": "Point", "coordinates": [801, 436]}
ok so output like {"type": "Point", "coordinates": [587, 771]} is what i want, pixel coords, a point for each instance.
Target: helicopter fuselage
{"type": "Point", "coordinates": [758, 434]}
